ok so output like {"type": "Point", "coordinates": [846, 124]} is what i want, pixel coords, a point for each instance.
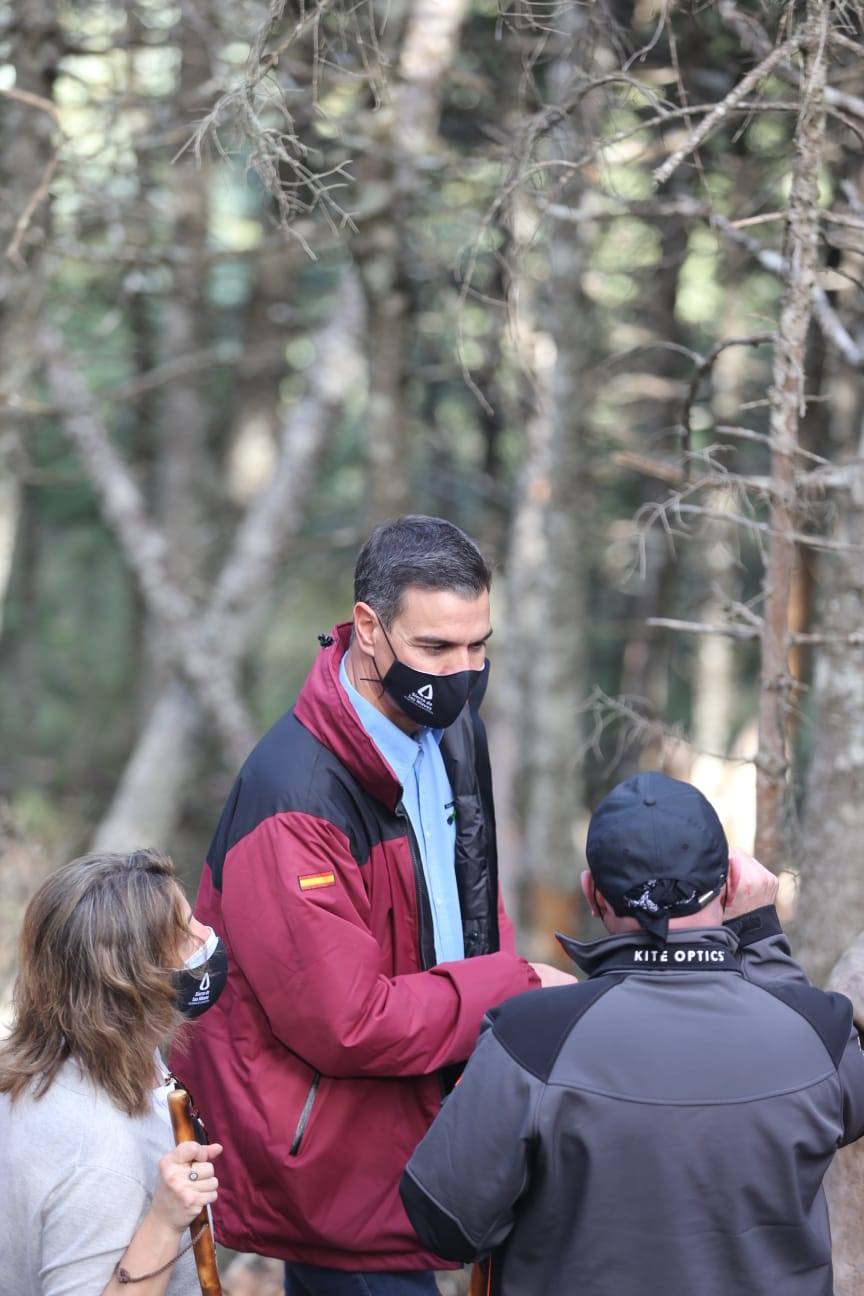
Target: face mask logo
{"type": "Point", "coordinates": [431, 700]}
{"type": "Point", "coordinates": [196, 993]}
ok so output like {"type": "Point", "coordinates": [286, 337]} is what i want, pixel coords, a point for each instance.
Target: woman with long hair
{"type": "Point", "coordinates": [93, 1193]}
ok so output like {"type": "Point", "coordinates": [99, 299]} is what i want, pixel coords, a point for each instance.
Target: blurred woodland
{"type": "Point", "coordinates": [582, 277]}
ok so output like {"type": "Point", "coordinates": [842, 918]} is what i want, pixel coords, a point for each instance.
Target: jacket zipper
{"type": "Point", "coordinates": [419, 883]}
{"type": "Point", "coordinates": [304, 1115]}
{"type": "Point", "coordinates": [422, 904]}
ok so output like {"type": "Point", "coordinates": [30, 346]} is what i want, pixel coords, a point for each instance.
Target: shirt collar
{"type": "Point", "coordinates": [399, 749]}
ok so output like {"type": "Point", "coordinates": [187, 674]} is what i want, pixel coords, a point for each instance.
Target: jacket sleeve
{"type": "Point", "coordinates": [850, 1071]}
{"type": "Point", "coordinates": [316, 968]}
{"type": "Point", "coordinates": [767, 960]}
{"type": "Point", "coordinates": [763, 948]}
{"type": "Point", "coordinates": [466, 1176]}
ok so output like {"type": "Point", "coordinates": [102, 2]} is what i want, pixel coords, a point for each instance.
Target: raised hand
{"type": "Point", "coordinates": [753, 884]}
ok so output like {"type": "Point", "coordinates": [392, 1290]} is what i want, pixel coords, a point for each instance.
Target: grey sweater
{"type": "Point", "coordinates": [76, 1177]}
{"type": "Point", "coordinates": [660, 1129]}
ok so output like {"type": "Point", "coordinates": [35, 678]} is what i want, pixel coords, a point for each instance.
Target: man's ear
{"type": "Point", "coordinates": [587, 882]}
{"type": "Point", "coordinates": [365, 625]}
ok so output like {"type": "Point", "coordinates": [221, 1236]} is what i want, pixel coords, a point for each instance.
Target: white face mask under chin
{"type": "Point", "coordinates": [203, 952]}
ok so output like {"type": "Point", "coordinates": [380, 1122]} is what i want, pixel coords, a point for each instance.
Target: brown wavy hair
{"type": "Point", "coordinates": [96, 951]}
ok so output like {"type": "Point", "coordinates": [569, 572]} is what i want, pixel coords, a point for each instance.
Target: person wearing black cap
{"type": "Point", "coordinates": [656, 850]}
{"type": "Point", "coordinates": [663, 1126]}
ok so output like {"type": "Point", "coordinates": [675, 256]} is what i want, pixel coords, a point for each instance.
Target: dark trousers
{"type": "Point", "coordinates": [309, 1280]}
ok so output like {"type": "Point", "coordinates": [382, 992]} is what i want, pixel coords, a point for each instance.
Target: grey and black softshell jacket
{"type": "Point", "coordinates": [659, 1129]}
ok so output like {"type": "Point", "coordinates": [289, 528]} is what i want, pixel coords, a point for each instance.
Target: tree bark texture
{"type": "Point", "coordinates": [547, 563]}
{"type": "Point", "coordinates": [787, 408]}
{"type": "Point", "coordinates": [27, 152]}
{"type": "Point", "coordinates": [830, 911]}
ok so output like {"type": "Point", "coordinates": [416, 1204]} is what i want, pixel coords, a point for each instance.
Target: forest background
{"type": "Point", "coordinates": [584, 278]}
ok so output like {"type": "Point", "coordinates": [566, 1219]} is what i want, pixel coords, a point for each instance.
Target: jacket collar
{"type": "Point", "coordinates": [712, 947]}
{"type": "Point", "coordinates": [323, 707]}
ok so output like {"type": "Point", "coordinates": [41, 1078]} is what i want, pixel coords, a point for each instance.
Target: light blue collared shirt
{"type": "Point", "coordinates": [428, 801]}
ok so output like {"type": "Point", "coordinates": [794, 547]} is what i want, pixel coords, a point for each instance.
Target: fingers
{"type": "Point", "coordinates": [750, 884]}
{"type": "Point", "coordinates": [193, 1183]}
{"type": "Point", "coordinates": [552, 976]}
{"type": "Point", "coordinates": [186, 1183]}
{"type": "Point", "coordinates": [200, 1172]}
{"type": "Point", "coordinates": [189, 1151]}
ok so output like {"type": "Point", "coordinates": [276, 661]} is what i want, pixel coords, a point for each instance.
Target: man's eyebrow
{"type": "Point", "coordinates": [435, 641]}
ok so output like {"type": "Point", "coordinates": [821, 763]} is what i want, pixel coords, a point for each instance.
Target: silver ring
{"type": "Point", "coordinates": [193, 1175]}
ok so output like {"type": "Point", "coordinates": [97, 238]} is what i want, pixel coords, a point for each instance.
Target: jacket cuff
{"type": "Point", "coordinates": [757, 925]}
{"type": "Point", "coordinates": [436, 1229]}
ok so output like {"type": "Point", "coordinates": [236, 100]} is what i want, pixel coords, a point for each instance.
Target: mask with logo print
{"type": "Point", "coordinates": [196, 992]}
{"type": "Point", "coordinates": [432, 700]}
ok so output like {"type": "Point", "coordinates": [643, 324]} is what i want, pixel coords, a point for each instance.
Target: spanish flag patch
{"type": "Point", "coordinates": [309, 881]}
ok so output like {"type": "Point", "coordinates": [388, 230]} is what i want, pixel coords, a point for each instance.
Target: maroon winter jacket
{"type": "Point", "coordinates": [322, 1064]}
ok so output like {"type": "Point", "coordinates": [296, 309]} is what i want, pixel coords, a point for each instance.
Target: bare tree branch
{"type": "Point", "coordinates": [32, 100]}
{"type": "Point", "coordinates": [703, 369]}
{"type": "Point", "coordinates": [227, 623]}
{"type": "Point", "coordinates": [733, 631]}
{"type": "Point", "coordinates": [755, 39]}
{"type": "Point", "coordinates": [730, 630]}
{"type": "Point", "coordinates": [144, 547]}
{"type": "Point", "coordinates": [40, 193]}
{"type": "Point", "coordinates": [305, 434]}
{"type": "Point", "coordinates": [722, 109]}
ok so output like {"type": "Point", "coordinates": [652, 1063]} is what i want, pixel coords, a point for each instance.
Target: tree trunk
{"type": "Point", "coordinates": [547, 565]}
{"type": "Point", "coordinates": [647, 651]}
{"type": "Point", "coordinates": [10, 511]}
{"type": "Point", "coordinates": [787, 408]}
{"type": "Point", "coordinates": [146, 805]}
{"type": "Point", "coordinates": [557, 685]}
{"type": "Point", "coordinates": [26, 153]}
{"type": "Point", "coordinates": [404, 136]}
{"type": "Point", "coordinates": [23, 866]}
{"type": "Point", "coordinates": [829, 902]}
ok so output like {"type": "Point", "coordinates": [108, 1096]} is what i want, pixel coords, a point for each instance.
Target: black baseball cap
{"type": "Point", "coordinates": [657, 850]}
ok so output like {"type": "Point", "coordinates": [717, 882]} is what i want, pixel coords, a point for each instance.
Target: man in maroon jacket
{"type": "Point", "coordinates": [353, 879]}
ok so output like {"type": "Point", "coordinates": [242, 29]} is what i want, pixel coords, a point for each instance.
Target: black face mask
{"type": "Point", "coordinates": [196, 993]}
{"type": "Point", "coordinates": [432, 700]}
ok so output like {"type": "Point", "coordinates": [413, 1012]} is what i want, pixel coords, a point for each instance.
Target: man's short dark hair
{"type": "Point", "coordinates": [426, 552]}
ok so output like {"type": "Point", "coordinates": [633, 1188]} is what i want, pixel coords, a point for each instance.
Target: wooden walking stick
{"type": "Point", "coordinates": [204, 1248]}
{"type": "Point", "coordinates": [481, 1278]}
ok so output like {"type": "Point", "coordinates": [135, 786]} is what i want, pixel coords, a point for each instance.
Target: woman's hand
{"type": "Point", "coordinates": [186, 1183]}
